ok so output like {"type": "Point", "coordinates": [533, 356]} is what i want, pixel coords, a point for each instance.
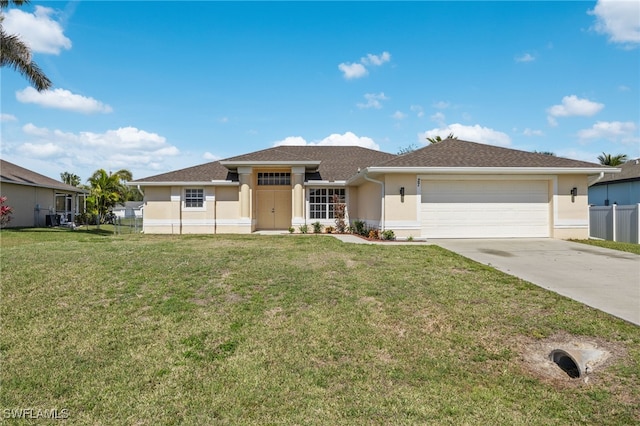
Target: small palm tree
{"type": "Point", "coordinates": [612, 160]}
{"type": "Point", "coordinates": [107, 190]}
{"type": "Point", "coordinates": [17, 55]}
{"type": "Point", "coordinates": [439, 139]}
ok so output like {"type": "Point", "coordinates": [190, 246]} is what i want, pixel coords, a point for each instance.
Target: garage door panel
{"type": "Point", "coordinates": [485, 209]}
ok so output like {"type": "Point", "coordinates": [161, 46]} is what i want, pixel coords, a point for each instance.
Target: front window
{"type": "Point", "coordinates": [321, 202]}
{"type": "Point", "coordinates": [194, 198]}
{"type": "Point", "coordinates": [274, 178]}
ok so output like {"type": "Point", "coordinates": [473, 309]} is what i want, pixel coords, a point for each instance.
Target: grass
{"type": "Point", "coordinates": [161, 330]}
{"type": "Point", "coordinates": [627, 247]}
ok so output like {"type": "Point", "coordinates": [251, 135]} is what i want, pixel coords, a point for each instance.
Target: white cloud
{"type": "Point", "coordinates": [126, 147]}
{"type": "Point", "coordinates": [351, 71]}
{"type": "Point", "coordinates": [531, 132]}
{"type": "Point", "coordinates": [335, 139]}
{"type": "Point", "coordinates": [474, 133]}
{"type": "Point", "coordinates": [358, 70]}
{"type": "Point", "coordinates": [573, 106]}
{"type": "Point", "coordinates": [376, 60]}
{"type": "Point", "coordinates": [223, 120]}
{"type": "Point", "coordinates": [43, 150]}
{"type": "Point", "coordinates": [209, 156]}
{"type": "Point", "coordinates": [62, 99]}
{"type": "Point", "coordinates": [527, 57]}
{"type": "Point", "coordinates": [418, 110]}
{"type": "Point", "coordinates": [32, 130]}
{"type": "Point", "coordinates": [373, 101]}
{"type": "Point", "coordinates": [398, 115]}
{"type": "Point", "coordinates": [438, 118]}
{"type": "Point", "coordinates": [38, 30]}
{"type": "Point", "coordinates": [619, 131]}
{"type": "Point", "coordinates": [620, 20]}
{"type": "Point", "coordinates": [442, 105]}
{"type": "Point", "coordinates": [7, 117]}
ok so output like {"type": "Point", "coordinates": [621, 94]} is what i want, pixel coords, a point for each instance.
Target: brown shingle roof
{"type": "Point", "coordinates": [459, 153]}
{"type": "Point", "coordinates": [12, 173]}
{"type": "Point", "coordinates": [202, 173]}
{"type": "Point", "coordinates": [630, 171]}
{"type": "Point", "coordinates": [336, 163]}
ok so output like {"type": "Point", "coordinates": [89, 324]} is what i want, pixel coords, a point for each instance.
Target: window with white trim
{"type": "Point", "coordinates": [321, 202]}
{"type": "Point", "coordinates": [193, 197]}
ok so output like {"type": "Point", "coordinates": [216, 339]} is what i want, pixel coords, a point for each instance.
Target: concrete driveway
{"type": "Point", "coordinates": [608, 280]}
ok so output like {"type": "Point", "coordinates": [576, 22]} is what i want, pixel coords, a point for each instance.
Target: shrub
{"type": "Point", "coordinates": [339, 212]}
{"type": "Point", "coordinates": [5, 212]}
{"type": "Point", "coordinates": [388, 235]}
{"type": "Point", "coordinates": [329, 229]}
{"type": "Point", "coordinates": [410, 238]}
{"type": "Point", "coordinates": [374, 234]}
{"type": "Point", "coordinates": [291, 229]}
{"type": "Point", "coordinates": [303, 229]}
{"type": "Point", "coordinates": [360, 227]}
{"type": "Point", "coordinates": [317, 227]}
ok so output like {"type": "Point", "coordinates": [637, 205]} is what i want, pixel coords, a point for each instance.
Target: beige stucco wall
{"type": "Point", "coordinates": [401, 213]}
{"type": "Point", "coordinates": [369, 206]}
{"type": "Point", "coordinates": [571, 214]}
{"type": "Point", "coordinates": [31, 204]}
{"type": "Point", "coordinates": [164, 212]}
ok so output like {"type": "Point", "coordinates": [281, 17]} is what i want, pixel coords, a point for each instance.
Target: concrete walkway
{"type": "Point", "coordinates": [608, 280]}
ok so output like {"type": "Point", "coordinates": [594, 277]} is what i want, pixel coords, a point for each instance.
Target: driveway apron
{"type": "Point", "coordinates": [608, 280]}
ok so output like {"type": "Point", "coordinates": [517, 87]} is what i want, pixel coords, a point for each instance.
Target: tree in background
{"type": "Point", "coordinates": [107, 190]}
{"type": "Point", "coordinates": [5, 212]}
{"type": "Point", "coordinates": [612, 160]}
{"type": "Point", "coordinates": [70, 178]}
{"type": "Point", "coordinates": [410, 148]}
{"type": "Point", "coordinates": [17, 55]}
{"type": "Point", "coordinates": [438, 139]}
{"type": "Point", "coordinates": [549, 153]}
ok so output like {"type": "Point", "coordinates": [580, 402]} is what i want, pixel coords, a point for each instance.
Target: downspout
{"type": "Point", "coordinates": [381, 198]}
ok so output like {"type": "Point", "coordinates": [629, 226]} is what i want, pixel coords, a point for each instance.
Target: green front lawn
{"type": "Point", "coordinates": [628, 247]}
{"type": "Point", "coordinates": [152, 330]}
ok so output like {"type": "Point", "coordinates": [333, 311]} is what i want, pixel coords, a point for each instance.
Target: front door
{"type": "Point", "coordinates": [273, 209]}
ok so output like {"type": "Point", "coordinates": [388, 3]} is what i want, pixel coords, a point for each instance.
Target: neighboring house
{"type": "Point", "coordinates": [452, 189]}
{"type": "Point", "coordinates": [621, 188]}
{"type": "Point", "coordinates": [128, 209]}
{"type": "Point", "coordinates": [36, 199]}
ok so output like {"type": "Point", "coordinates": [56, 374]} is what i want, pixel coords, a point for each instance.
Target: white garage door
{"type": "Point", "coordinates": [484, 209]}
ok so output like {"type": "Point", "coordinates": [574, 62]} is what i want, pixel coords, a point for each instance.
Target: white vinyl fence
{"type": "Point", "coordinates": [615, 223]}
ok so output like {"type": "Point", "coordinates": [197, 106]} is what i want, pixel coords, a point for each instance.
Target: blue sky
{"type": "Point", "coordinates": [159, 86]}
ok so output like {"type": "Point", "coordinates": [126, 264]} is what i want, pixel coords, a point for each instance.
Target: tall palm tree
{"type": "Point", "coordinates": [17, 55]}
{"type": "Point", "coordinates": [439, 139]}
{"type": "Point", "coordinates": [107, 190]}
{"type": "Point", "coordinates": [612, 160]}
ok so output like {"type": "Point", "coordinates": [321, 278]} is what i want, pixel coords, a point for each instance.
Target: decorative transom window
{"type": "Point", "coordinates": [274, 178]}
{"type": "Point", "coordinates": [194, 197]}
{"type": "Point", "coordinates": [322, 203]}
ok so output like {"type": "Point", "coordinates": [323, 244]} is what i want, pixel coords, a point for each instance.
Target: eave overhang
{"type": "Point", "coordinates": [377, 171]}
{"type": "Point", "coordinates": [37, 185]}
{"type": "Point", "coordinates": [186, 183]}
{"type": "Point", "coordinates": [325, 183]}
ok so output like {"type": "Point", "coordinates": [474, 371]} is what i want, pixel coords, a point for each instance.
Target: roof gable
{"type": "Point", "coordinates": [12, 173]}
{"type": "Point", "coordinates": [337, 163]}
{"type": "Point", "coordinates": [458, 153]}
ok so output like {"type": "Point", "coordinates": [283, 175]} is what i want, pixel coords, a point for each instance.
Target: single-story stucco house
{"type": "Point", "coordinates": [620, 188]}
{"type": "Point", "coordinates": [38, 200]}
{"type": "Point", "coordinates": [451, 189]}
